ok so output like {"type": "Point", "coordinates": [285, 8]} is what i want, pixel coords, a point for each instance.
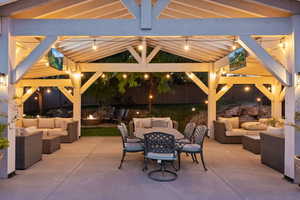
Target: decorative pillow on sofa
{"type": "Point", "coordinates": [30, 122]}
{"type": "Point", "coordinates": [227, 123]}
{"type": "Point", "coordinates": [235, 121]}
{"type": "Point", "coordinates": [62, 122]}
{"type": "Point", "coordinates": [46, 122]}
{"type": "Point", "coordinates": [254, 126]}
{"type": "Point", "coordinates": [142, 122]}
{"type": "Point", "coordinates": [160, 123]}
{"type": "Point", "coordinates": [166, 119]}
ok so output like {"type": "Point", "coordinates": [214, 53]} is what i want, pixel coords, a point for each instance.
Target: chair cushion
{"type": "Point", "coordinates": [191, 148]}
{"type": "Point", "coordinates": [254, 126]}
{"type": "Point", "coordinates": [57, 132]}
{"type": "Point", "coordinates": [227, 123]}
{"type": "Point", "coordinates": [133, 140]}
{"type": "Point", "coordinates": [161, 156]}
{"type": "Point", "coordinates": [134, 147]}
{"type": "Point", "coordinates": [44, 130]}
{"type": "Point", "coordinates": [45, 123]}
{"type": "Point", "coordinates": [241, 132]}
{"type": "Point", "coordinates": [184, 141]}
{"type": "Point", "coordinates": [30, 122]}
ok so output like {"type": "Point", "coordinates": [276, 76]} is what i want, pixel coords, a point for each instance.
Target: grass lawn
{"type": "Point", "coordinates": [101, 131]}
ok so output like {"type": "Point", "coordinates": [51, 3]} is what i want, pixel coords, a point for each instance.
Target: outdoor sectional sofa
{"type": "Point", "coordinates": [233, 134]}
{"type": "Point", "coordinates": [66, 128]}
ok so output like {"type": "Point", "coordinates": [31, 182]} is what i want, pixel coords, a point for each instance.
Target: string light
{"type": "Point", "coordinates": [94, 45]}
{"type": "Point", "coordinates": [70, 91]}
{"type": "Point", "coordinates": [137, 112]}
{"type": "Point", "coordinates": [168, 76]}
{"type": "Point", "coordinates": [247, 89]}
{"type": "Point", "coordinates": [258, 99]}
{"type": "Point", "coordinates": [124, 76]}
{"type": "Point", "coordinates": [140, 47]}
{"type": "Point", "coordinates": [186, 45]}
{"type": "Point", "coordinates": [36, 98]}
{"type": "Point", "coordinates": [103, 76]}
{"type": "Point", "coordinates": [151, 96]}
{"type": "Point", "coordinates": [146, 76]}
{"type": "Point", "coordinates": [206, 101]}
{"type": "Point", "coordinates": [48, 90]}
{"type": "Point", "coordinates": [193, 109]}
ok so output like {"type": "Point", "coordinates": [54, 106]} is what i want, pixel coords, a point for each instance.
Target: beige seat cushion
{"type": "Point", "coordinates": [30, 123]}
{"type": "Point", "coordinates": [254, 126]}
{"type": "Point", "coordinates": [46, 123]}
{"type": "Point", "coordinates": [160, 123]}
{"type": "Point", "coordinates": [57, 132]}
{"type": "Point", "coordinates": [241, 132]}
{"type": "Point", "coordinates": [235, 121]}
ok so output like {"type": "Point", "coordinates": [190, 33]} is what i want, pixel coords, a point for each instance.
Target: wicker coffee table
{"type": "Point", "coordinates": [51, 144]}
{"type": "Point", "coordinates": [251, 143]}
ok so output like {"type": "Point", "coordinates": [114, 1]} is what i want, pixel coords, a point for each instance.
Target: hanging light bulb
{"type": "Point", "coordinates": [124, 76]}
{"type": "Point", "coordinates": [186, 45]}
{"type": "Point", "coordinates": [146, 76]}
{"type": "Point", "coordinates": [234, 45]}
{"type": "Point", "coordinates": [48, 90]}
{"type": "Point", "coordinates": [150, 96]}
{"type": "Point", "coordinates": [140, 47]}
{"type": "Point", "coordinates": [103, 76]}
{"type": "Point", "coordinates": [258, 99]}
{"type": "Point", "coordinates": [247, 89]}
{"type": "Point", "coordinates": [282, 43]}
{"type": "Point", "coordinates": [168, 76]}
{"type": "Point", "coordinates": [94, 45]}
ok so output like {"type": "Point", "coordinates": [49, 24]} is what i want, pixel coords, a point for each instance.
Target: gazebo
{"type": "Point", "coordinates": [205, 31]}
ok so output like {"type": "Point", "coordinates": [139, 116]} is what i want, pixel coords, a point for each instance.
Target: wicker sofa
{"type": "Point", "coordinates": [28, 149]}
{"type": "Point", "coordinates": [66, 128]}
{"type": "Point", "coordinates": [233, 136]}
{"type": "Point", "coordinates": [131, 126]}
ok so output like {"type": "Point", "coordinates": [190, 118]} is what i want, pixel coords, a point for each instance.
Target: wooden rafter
{"type": "Point", "coordinates": [45, 83]}
{"type": "Point", "coordinates": [223, 91]}
{"type": "Point", "coordinates": [198, 82]}
{"type": "Point", "coordinates": [66, 93]}
{"type": "Point", "coordinates": [90, 82]}
{"type": "Point", "coordinates": [28, 94]}
{"type": "Point", "coordinates": [274, 67]}
{"type": "Point", "coordinates": [265, 91]}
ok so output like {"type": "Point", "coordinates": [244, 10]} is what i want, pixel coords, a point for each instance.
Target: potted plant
{"type": "Point", "coordinates": [3, 141]}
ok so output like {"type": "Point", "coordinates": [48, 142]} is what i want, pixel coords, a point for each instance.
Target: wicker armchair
{"type": "Point", "coordinates": [220, 135]}
{"type": "Point", "coordinates": [72, 129]}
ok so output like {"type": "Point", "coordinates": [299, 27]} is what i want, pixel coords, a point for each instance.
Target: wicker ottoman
{"type": "Point", "coordinates": [251, 143]}
{"type": "Point", "coordinates": [51, 144]}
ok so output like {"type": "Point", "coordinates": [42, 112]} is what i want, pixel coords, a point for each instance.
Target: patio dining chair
{"type": "Point", "coordinates": [188, 133]}
{"type": "Point", "coordinates": [197, 147]}
{"type": "Point", "coordinates": [129, 140]}
{"type": "Point", "coordinates": [160, 147]}
{"type": "Point", "coordinates": [133, 147]}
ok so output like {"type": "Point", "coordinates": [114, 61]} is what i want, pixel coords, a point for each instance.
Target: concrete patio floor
{"type": "Point", "coordinates": [87, 170]}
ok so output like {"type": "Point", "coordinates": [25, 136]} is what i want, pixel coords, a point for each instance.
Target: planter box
{"type": "Point", "coordinates": [297, 170]}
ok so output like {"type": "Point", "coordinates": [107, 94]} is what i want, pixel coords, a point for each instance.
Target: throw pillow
{"type": "Point", "coordinates": [227, 123]}
{"type": "Point", "coordinates": [160, 123]}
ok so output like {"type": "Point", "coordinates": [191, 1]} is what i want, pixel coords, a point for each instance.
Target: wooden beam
{"type": "Point", "coordinates": [132, 7]}
{"type": "Point", "coordinates": [153, 67]}
{"type": "Point", "coordinates": [90, 82]}
{"type": "Point", "coordinates": [282, 94]}
{"type": "Point", "coordinates": [45, 83]}
{"type": "Point", "coordinates": [135, 54]}
{"type": "Point", "coordinates": [28, 94]}
{"type": "Point", "coordinates": [197, 81]}
{"type": "Point", "coordinates": [246, 80]}
{"type": "Point", "coordinates": [33, 57]}
{"type": "Point", "coordinates": [223, 91]}
{"type": "Point", "coordinates": [159, 7]}
{"type": "Point", "coordinates": [66, 93]}
{"type": "Point", "coordinates": [286, 5]}
{"type": "Point", "coordinates": [19, 6]}
{"type": "Point", "coordinates": [161, 27]}
{"type": "Point", "coordinates": [274, 67]}
{"type": "Point", "coordinates": [265, 91]}
{"type": "Point", "coordinates": [153, 53]}
{"type": "Point", "coordinates": [146, 14]}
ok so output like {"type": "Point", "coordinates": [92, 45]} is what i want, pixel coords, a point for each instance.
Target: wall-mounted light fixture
{"type": "Point", "coordinates": [3, 80]}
